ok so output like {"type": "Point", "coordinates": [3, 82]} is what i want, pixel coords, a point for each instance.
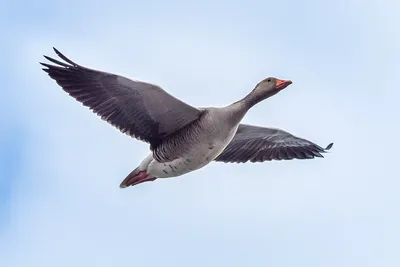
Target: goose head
{"type": "Point", "coordinates": [265, 89]}
{"type": "Point", "coordinates": [269, 87]}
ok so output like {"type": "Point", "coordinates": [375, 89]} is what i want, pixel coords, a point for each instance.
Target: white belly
{"type": "Point", "coordinates": [198, 157]}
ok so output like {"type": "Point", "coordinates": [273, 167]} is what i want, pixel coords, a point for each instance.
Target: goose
{"type": "Point", "coordinates": [182, 138]}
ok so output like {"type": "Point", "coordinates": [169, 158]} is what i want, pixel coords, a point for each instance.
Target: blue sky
{"type": "Point", "coordinates": [60, 204]}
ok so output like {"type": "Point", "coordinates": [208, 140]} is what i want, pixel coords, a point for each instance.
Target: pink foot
{"type": "Point", "coordinates": [140, 177]}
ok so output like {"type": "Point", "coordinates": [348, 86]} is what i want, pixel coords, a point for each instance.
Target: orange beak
{"type": "Point", "coordinates": [282, 84]}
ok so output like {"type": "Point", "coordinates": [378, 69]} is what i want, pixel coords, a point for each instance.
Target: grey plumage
{"type": "Point", "coordinates": [258, 144]}
{"type": "Point", "coordinates": [177, 144]}
{"type": "Point", "coordinates": [141, 110]}
{"type": "Point", "coordinates": [182, 138]}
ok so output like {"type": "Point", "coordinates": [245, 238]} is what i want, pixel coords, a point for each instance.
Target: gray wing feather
{"type": "Point", "coordinates": [141, 110]}
{"type": "Point", "coordinates": [258, 144]}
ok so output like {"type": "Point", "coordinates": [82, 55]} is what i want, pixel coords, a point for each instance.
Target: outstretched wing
{"type": "Point", "coordinates": [141, 110]}
{"type": "Point", "coordinates": [258, 144]}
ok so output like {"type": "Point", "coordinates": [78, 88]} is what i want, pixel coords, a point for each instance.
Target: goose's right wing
{"type": "Point", "coordinates": [139, 109]}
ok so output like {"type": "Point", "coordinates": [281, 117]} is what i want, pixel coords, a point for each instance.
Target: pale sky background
{"type": "Point", "coordinates": [60, 165]}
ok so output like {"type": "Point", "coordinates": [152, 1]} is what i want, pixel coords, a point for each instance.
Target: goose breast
{"type": "Point", "coordinates": [204, 142]}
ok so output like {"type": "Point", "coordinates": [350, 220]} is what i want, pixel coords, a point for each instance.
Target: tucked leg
{"type": "Point", "coordinates": [136, 178]}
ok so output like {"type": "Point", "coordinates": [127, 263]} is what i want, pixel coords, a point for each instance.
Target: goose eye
{"type": "Point", "coordinates": [268, 80]}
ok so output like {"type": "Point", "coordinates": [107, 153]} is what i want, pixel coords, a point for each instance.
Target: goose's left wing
{"type": "Point", "coordinates": [258, 144]}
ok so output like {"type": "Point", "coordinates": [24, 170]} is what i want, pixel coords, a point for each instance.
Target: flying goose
{"type": "Point", "coordinates": [182, 138]}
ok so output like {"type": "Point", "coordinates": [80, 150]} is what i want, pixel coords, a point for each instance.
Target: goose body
{"type": "Point", "coordinates": [182, 138]}
{"type": "Point", "coordinates": [198, 147]}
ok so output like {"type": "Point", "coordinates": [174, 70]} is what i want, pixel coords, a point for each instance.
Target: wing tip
{"type": "Point", "coordinates": [63, 57]}
{"type": "Point", "coordinates": [60, 54]}
{"type": "Point", "coordinates": [329, 146]}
